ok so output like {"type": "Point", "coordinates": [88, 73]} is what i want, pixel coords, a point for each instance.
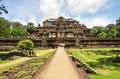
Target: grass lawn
{"type": "Point", "coordinates": [98, 60]}
{"type": "Point", "coordinates": [4, 60]}
{"type": "Point", "coordinates": [10, 62]}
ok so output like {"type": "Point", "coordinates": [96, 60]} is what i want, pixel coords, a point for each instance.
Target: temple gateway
{"type": "Point", "coordinates": [63, 31]}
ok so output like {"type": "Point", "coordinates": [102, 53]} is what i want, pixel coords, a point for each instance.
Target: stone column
{"type": "Point", "coordinates": [77, 42]}
{"type": "Point", "coordinates": [44, 42]}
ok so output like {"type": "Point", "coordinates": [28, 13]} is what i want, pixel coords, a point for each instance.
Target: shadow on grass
{"type": "Point", "coordinates": [4, 56]}
{"type": "Point", "coordinates": [104, 63]}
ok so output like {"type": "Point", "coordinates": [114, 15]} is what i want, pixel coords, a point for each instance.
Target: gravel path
{"type": "Point", "coordinates": [60, 67]}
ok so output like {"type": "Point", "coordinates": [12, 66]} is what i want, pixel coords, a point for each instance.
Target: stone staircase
{"type": "Point", "coordinates": [82, 65]}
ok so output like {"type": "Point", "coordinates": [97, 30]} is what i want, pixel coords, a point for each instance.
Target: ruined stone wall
{"type": "Point", "coordinates": [94, 42]}
{"type": "Point", "coordinates": [89, 42]}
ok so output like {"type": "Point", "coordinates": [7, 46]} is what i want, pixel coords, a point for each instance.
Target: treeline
{"type": "Point", "coordinates": [111, 30]}
{"type": "Point", "coordinates": [15, 29]}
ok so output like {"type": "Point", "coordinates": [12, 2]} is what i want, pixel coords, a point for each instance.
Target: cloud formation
{"type": "Point", "coordinates": [51, 8]}
{"type": "Point", "coordinates": [85, 6]}
{"type": "Point", "coordinates": [76, 7]}
{"type": "Point", "coordinates": [98, 21]}
{"type": "Point", "coordinates": [54, 8]}
{"type": "Point", "coordinates": [86, 11]}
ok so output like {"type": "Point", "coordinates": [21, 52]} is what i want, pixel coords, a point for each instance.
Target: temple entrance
{"type": "Point", "coordinates": [62, 45]}
{"type": "Point", "coordinates": [60, 42]}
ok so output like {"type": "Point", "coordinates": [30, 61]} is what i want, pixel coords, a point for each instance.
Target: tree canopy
{"type": "Point", "coordinates": [97, 30]}
{"type": "Point", "coordinates": [12, 29]}
{"type": "Point", "coordinates": [111, 30]}
{"type": "Point", "coordinates": [4, 27]}
{"type": "Point", "coordinates": [30, 28]}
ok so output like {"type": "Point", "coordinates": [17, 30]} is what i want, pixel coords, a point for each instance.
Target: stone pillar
{"type": "Point", "coordinates": [77, 42]}
{"type": "Point", "coordinates": [44, 42]}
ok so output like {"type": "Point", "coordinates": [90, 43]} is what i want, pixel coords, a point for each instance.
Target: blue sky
{"type": "Point", "coordinates": [88, 12]}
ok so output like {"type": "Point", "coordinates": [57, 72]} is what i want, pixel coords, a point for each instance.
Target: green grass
{"type": "Point", "coordinates": [111, 75]}
{"type": "Point", "coordinates": [14, 65]}
{"type": "Point", "coordinates": [6, 60]}
{"type": "Point", "coordinates": [75, 53]}
{"type": "Point", "coordinates": [22, 72]}
{"type": "Point", "coordinates": [98, 61]}
{"type": "Point", "coordinates": [33, 63]}
{"type": "Point", "coordinates": [4, 52]}
{"type": "Point", "coordinates": [28, 77]}
{"type": "Point", "coordinates": [46, 55]}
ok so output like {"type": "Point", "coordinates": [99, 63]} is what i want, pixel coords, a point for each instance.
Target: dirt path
{"type": "Point", "coordinates": [60, 67]}
{"type": "Point", "coordinates": [17, 61]}
{"type": "Point", "coordinates": [23, 59]}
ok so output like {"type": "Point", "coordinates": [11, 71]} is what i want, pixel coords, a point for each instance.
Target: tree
{"type": "Point", "coordinates": [4, 27]}
{"type": "Point", "coordinates": [17, 25]}
{"type": "Point", "coordinates": [117, 26]}
{"type": "Point", "coordinates": [30, 28]}
{"type": "Point", "coordinates": [112, 33]}
{"type": "Point", "coordinates": [102, 35]}
{"type": "Point", "coordinates": [3, 9]}
{"type": "Point", "coordinates": [26, 47]}
{"type": "Point", "coordinates": [111, 30]}
{"type": "Point", "coordinates": [109, 27]}
{"type": "Point", "coordinates": [118, 21]}
{"type": "Point", "coordinates": [16, 32]}
{"type": "Point", "coordinates": [96, 30]}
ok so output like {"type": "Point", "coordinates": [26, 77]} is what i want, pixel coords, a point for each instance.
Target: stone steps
{"type": "Point", "coordinates": [82, 65]}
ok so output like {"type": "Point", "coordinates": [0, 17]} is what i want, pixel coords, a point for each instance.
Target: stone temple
{"type": "Point", "coordinates": [60, 30]}
{"type": "Point", "coordinates": [56, 31]}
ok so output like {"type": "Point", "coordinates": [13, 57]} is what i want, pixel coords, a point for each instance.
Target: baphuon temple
{"type": "Point", "coordinates": [62, 30]}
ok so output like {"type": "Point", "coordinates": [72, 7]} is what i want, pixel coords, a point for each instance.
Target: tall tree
{"type": "Point", "coordinates": [118, 21]}
{"type": "Point", "coordinates": [30, 28]}
{"type": "Point", "coordinates": [96, 30]}
{"type": "Point", "coordinates": [117, 26]}
{"type": "Point", "coordinates": [17, 25]}
{"type": "Point", "coordinates": [109, 27]}
{"type": "Point", "coordinates": [4, 27]}
{"type": "Point", "coordinates": [102, 34]}
{"type": "Point", "coordinates": [112, 33]}
{"type": "Point", "coordinates": [16, 32]}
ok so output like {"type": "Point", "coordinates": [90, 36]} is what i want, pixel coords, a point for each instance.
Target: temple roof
{"type": "Point", "coordinates": [59, 21]}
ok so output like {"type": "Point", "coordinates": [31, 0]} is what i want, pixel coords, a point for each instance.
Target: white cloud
{"type": "Point", "coordinates": [21, 21]}
{"type": "Point", "coordinates": [85, 6]}
{"type": "Point", "coordinates": [40, 10]}
{"type": "Point", "coordinates": [98, 21]}
{"type": "Point", "coordinates": [78, 18]}
{"type": "Point", "coordinates": [24, 10]}
{"type": "Point", "coordinates": [33, 19]}
{"type": "Point", "coordinates": [55, 8]}
{"type": "Point", "coordinates": [51, 8]}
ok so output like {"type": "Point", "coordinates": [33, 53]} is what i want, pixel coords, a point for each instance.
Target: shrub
{"type": "Point", "coordinates": [26, 44]}
{"type": "Point", "coordinates": [26, 47]}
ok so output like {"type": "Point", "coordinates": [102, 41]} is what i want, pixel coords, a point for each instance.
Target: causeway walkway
{"type": "Point", "coordinates": [61, 67]}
